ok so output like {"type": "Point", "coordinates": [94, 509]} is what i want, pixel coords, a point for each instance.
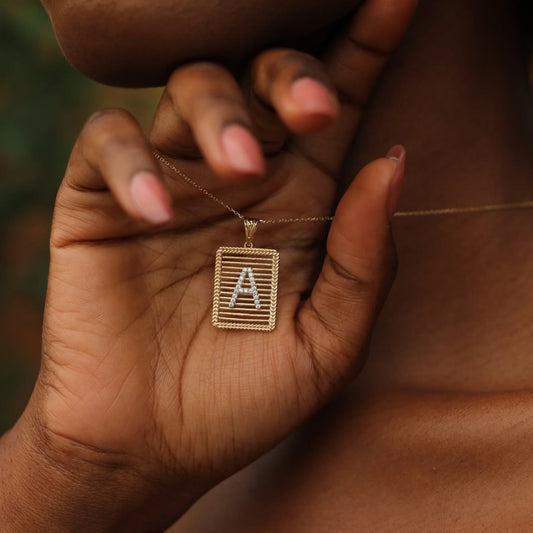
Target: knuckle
{"type": "Point", "coordinates": [282, 61]}
{"type": "Point", "coordinates": [198, 89]}
{"type": "Point", "coordinates": [218, 96]}
{"type": "Point", "coordinates": [103, 117]}
{"type": "Point", "coordinates": [116, 144]}
{"type": "Point", "coordinates": [110, 130]}
{"type": "Point", "coordinates": [198, 75]}
{"type": "Point", "coordinates": [362, 281]}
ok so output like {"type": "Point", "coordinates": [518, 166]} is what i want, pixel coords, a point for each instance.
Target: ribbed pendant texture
{"type": "Point", "coordinates": [246, 288]}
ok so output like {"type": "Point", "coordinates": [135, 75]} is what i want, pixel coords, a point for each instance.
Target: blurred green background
{"type": "Point", "coordinates": [43, 105]}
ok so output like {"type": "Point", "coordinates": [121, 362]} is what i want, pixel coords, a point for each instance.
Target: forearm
{"type": "Point", "coordinates": [45, 487]}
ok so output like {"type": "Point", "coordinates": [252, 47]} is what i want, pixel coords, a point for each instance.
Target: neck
{"type": "Point", "coordinates": [457, 95]}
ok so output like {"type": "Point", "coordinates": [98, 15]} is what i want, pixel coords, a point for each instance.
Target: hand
{"type": "Point", "coordinates": [135, 379]}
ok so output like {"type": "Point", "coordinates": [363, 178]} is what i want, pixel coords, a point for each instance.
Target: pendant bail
{"type": "Point", "coordinates": [250, 227]}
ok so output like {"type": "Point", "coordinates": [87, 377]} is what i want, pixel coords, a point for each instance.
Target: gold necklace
{"type": "Point", "coordinates": [246, 278]}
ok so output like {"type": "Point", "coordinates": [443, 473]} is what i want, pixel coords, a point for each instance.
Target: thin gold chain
{"type": "Point", "coordinates": [466, 210]}
{"type": "Point", "coordinates": [417, 213]}
{"type": "Point", "coordinates": [210, 195]}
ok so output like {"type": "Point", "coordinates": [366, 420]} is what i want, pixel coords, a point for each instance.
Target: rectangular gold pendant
{"type": "Point", "coordinates": [246, 288]}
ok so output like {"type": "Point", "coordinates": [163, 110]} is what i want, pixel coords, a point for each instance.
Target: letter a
{"type": "Point", "coordinates": [246, 271]}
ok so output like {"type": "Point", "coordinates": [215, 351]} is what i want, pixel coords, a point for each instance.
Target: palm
{"type": "Point", "coordinates": [149, 305]}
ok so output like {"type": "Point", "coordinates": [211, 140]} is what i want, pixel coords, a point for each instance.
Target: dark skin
{"type": "Point", "coordinates": [139, 43]}
{"type": "Point", "coordinates": [435, 435]}
{"type": "Point", "coordinates": [141, 405]}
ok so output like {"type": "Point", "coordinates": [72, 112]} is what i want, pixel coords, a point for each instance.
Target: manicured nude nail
{"type": "Point", "coordinates": [242, 150]}
{"type": "Point", "coordinates": [312, 97]}
{"type": "Point", "coordinates": [396, 154]}
{"type": "Point", "coordinates": [150, 198]}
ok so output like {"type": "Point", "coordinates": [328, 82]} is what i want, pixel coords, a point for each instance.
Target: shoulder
{"type": "Point", "coordinates": [416, 461]}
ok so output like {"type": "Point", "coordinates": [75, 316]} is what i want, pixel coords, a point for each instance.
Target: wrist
{"type": "Point", "coordinates": [53, 484]}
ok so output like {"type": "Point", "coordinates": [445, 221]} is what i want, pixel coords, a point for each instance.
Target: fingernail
{"type": "Point", "coordinates": [242, 150]}
{"type": "Point", "coordinates": [150, 198]}
{"type": "Point", "coordinates": [313, 98]}
{"type": "Point", "coordinates": [397, 154]}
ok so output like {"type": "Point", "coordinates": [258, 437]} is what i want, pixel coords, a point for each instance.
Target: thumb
{"type": "Point", "coordinates": [357, 274]}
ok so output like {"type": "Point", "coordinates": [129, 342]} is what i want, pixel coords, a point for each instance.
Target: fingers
{"type": "Point", "coordinates": [356, 60]}
{"type": "Point", "coordinates": [112, 153]}
{"type": "Point", "coordinates": [203, 111]}
{"type": "Point", "coordinates": [357, 273]}
{"type": "Point", "coordinates": [293, 88]}
{"type": "Point", "coordinates": [354, 63]}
